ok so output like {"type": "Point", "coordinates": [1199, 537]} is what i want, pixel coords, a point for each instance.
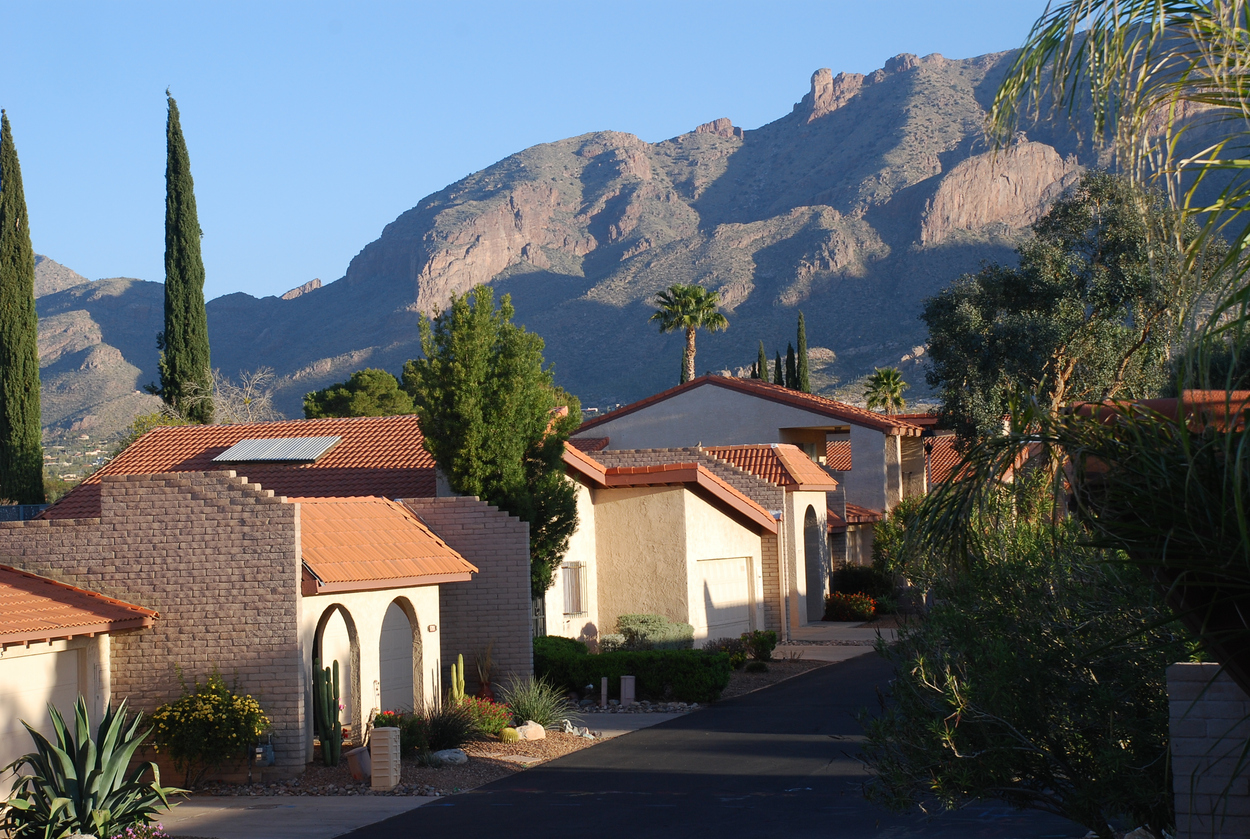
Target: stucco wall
{"type": "Point", "coordinates": [582, 547]}
{"type": "Point", "coordinates": [495, 606]}
{"type": "Point", "coordinates": [867, 482]}
{"type": "Point", "coordinates": [641, 568]}
{"type": "Point", "coordinates": [365, 612]}
{"type": "Point", "coordinates": [709, 416]}
{"type": "Point", "coordinates": [712, 535]}
{"type": "Point", "coordinates": [218, 558]}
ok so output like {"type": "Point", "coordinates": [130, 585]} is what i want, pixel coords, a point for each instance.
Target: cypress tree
{"type": "Point", "coordinates": [186, 380]}
{"type": "Point", "coordinates": [762, 363]}
{"type": "Point", "coordinates": [792, 372]}
{"type": "Point", "coordinates": [803, 381]}
{"type": "Point", "coordinates": [777, 375]}
{"type": "Point", "coordinates": [21, 453]}
{"type": "Point", "coordinates": [755, 370]}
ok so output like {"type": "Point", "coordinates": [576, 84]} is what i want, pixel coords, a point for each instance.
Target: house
{"type": "Point", "coordinates": [54, 647]}
{"type": "Point", "coordinates": [266, 546]}
{"type": "Point", "coordinates": [728, 539]}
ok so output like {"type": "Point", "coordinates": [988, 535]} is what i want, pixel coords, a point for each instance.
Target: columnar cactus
{"type": "Point", "coordinates": [326, 687]}
{"type": "Point", "coordinates": [457, 680]}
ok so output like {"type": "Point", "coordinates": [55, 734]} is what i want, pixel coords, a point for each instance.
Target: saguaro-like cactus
{"type": "Point", "coordinates": [457, 680]}
{"type": "Point", "coordinates": [326, 688]}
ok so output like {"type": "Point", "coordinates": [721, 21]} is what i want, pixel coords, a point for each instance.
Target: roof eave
{"type": "Point", "coordinates": [378, 585]}
{"type": "Point", "coordinates": [48, 635]}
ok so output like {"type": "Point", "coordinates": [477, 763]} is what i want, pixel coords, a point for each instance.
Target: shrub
{"type": "Point", "coordinates": [538, 700]}
{"type": "Point", "coordinates": [654, 632]}
{"type": "Point", "coordinates": [760, 644]}
{"type": "Point", "coordinates": [865, 579]}
{"type": "Point", "coordinates": [611, 641]}
{"type": "Point", "coordinates": [209, 724]}
{"type": "Point", "coordinates": [76, 785]}
{"type": "Point", "coordinates": [555, 658]}
{"type": "Point", "coordinates": [410, 734]}
{"type": "Point", "coordinates": [735, 648]}
{"type": "Point", "coordinates": [682, 675]}
{"type": "Point", "coordinates": [849, 607]}
{"type": "Point", "coordinates": [756, 667]}
{"type": "Point", "coordinates": [438, 727]}
{"type": "Point", "coordinates": [489, 717]}
{"type": "Point", "coordinates": [145, 831]}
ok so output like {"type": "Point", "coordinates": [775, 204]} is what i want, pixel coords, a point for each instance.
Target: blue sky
{"type": "Point", "coordinates": [312, 125]}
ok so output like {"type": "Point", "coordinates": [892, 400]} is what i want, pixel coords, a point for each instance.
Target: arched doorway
{"type": "Point", "coordinates": [814, 560]}
{"type": "Point", "coordinates": [336, 640]}
{"type": "Point", "coordinates": [399, 658]}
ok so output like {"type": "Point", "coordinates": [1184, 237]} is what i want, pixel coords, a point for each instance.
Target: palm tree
{"type": "Point", "coordinates": [688, 307]}
{"type": "Point", "coordinates": [885, 390]}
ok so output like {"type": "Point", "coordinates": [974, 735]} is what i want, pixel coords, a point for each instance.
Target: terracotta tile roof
{"type": "Point", "coordinates": [590, 444]}
{"type": "Point", "coordinates": [34, 608]}
{"type": "Point", "coordinates": [776, 393]}
{"type": "Point", "coordinates": [778, 463]}
{"type": "Point", "coordinates": [1203, 408]}
{"type": "Point", "coordinates": [838, 455]}
{"type": "Point", "coordinates": [856, 514]}
{"type": "Point", "coordinates": [350, 544]}
{"type": "Point", "coordinates": [383, 456]}
{"type": "Point", "coordinates": [693, 475]}
{"type": "Point", "coordinates": [837, 524]}
{"type": "Point", "coordinates": [943, 458]}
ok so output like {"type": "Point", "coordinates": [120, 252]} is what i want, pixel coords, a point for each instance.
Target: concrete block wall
{"type": "Point", "coordinates": [1210, 733]}
{"type": "Point", "coordinates": [218, 558]}
{"type": "Point", "coordinates": [495, 606]}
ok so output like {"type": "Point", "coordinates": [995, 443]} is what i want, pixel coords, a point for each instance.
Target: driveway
{"type": "Point", "coordinates": [778, 762]}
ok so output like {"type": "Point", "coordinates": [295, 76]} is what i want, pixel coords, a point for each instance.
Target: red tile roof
{"type": "Point", "coordinates": [34, 608]}
{"type": "Point", "coordinates": [590, 444]}
{"type": "Point", "coordinates": [836, 523]}
{"type": "Point", "coordinates": [382, 456]}
{"type": "Point", "coordinates": [943, 458]}
{"type": "Point", "coordinates": [778, 463]}
{"type": "Point", "coordinates": [856, 514]}
{"type": "Point", "coordinates": [350, 544]}
{"type": "Point", "coordinates": [838, 455]}
{"type": "Point", "coordinates": [775, 393]}
{"type": "Point", "coordinates": [694, 475]}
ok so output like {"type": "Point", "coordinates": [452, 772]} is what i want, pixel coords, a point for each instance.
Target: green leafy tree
{"type": "Point", "coordinates": [802, 379]}
{"type": "Point", "coordinates": [689, 308]}
{"type": "Point", "coordinates": [778, 375]}
{"type": "Point", "coordinates": [495, 422]}
{"type": "Point", "coordinates": [184, 362]}
{"type": "Point", "coordinates": [368, 393]}
{"type": "Point", "coordinates": [21, 453]}
{"type": "Point", "coordinates": [1085, 316]}
{"type": "Point", "coordinates": [885, 390]}
{"type": "Point", "coordinates": [761, 364]}
{"type": "Point", "coordinates": [792, 368]}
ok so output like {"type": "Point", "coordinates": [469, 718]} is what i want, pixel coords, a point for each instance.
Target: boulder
{"type": "Point", "coordinates": [451, 757]}
{"type": "Point", "coordinates": [531, 731]}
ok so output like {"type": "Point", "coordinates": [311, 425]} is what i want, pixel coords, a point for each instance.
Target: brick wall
{"type": "Point", "coordinates": [495, 606]}
{"type": "Point", "coordinates": [217, 557]}
{"type": "Point", "coordinates": [1210, 728]}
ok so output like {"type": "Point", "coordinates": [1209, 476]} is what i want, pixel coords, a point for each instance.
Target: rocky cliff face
{"type": "Point", "coordinates": [873, 192]}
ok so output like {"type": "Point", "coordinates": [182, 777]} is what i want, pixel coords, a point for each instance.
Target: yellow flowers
{"type": "Point", "coordinates": [208, 724]}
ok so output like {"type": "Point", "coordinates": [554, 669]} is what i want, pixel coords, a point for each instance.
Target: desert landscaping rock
{"type": "Point", "coordinates": [531, 731]}
{"type": "Point", "coordinates": [451, 757]}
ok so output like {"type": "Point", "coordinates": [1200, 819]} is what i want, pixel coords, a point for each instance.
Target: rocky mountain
{"type": "Point", "coordinates": [871, 194]}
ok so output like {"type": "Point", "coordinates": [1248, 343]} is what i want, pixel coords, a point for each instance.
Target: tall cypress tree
{"type": "Point", "coordinates": [186, 381]}
{"type": "Point", "coordinates": [792, 372]}
{"type": "Point", "coordinates": [21, 453]}
{"type": "Point", "coordinates": [778, 378]}
{"type": "Point", "coordinates": [762, 363]}
{"type": "Point", "coordinates": [803, 381]}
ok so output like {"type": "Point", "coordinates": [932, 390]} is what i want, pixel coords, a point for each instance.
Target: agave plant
{"type": "Point", "coordinates": [80, 785]}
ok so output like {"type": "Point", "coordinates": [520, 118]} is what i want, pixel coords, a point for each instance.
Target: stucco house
{"type": "Point", "coordinates": [728, 539]}
{"type": "Point", "coordinates": [266, 546]}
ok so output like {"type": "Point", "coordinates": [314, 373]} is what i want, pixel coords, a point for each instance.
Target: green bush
{"type": "Point", "coordinates": [849, 607]}
{"type": "Point", "coordinates": [537, 700]}
{"type": "Point", "coordinates": [760, 644]}
{"type": "Point", "coordinates": [77, 785]}
{"type": "Point", "coordinates": [556, 659]}
{"type": "Point", "coordinates": [489, 717]}
{"type": "Point", "coordinates": [654, 632]}
{"type": "Point", "coordinates": [756, 667]}
{"type": "Point", "coordinates": [735, 648]}
{"type": "Point", "coordinates": [206, 726]}
{"type": "Point", "coordinates": [862, 579]}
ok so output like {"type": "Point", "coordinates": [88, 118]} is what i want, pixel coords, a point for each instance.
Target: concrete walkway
{"type": "Point", "coordinates": [833, 642]}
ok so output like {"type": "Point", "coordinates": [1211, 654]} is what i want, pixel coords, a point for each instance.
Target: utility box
{"type": "Point", "coordinates": [384, 757]}
{"type": "Point", "coordinates": [628, 687]}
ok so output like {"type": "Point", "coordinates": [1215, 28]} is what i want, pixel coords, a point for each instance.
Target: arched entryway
{"type": "Point", "coordinates": [399, 657]}
{"type": "Point", "coordinates": [816, 563]}
{"type": "Point", "coordinates": [337, 640]}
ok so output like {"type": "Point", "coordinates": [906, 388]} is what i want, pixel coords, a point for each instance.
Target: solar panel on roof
{"type": "Point", "coordinates": [281, 450]}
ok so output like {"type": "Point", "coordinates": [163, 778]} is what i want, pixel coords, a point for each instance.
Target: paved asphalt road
{"type": "Point", "coordinates": [777, 763]}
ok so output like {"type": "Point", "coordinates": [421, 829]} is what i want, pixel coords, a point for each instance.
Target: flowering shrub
{"type": "Point", "coordinates": [760, 643]}
{"type": "Point", "coordinates": [489, 717]}
{"type": "Point", "coordinates": [146, 831]}
{"type": "Point", "coordinates": [849, 607]}
{"type": "Point", "coordinates": [207, 725]}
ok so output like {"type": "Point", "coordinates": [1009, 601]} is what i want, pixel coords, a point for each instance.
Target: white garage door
{"type": "Point", "coordinates": [27, 685]}
{"type": "Point", "coordinates": [725, 592]}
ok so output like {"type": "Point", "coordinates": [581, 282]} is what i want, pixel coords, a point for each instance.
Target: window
{"type": "Point", "coordinates": [573, 577]}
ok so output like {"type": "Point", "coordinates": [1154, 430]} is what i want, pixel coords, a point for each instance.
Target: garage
{"type": "Point", "coordinates": [54, 647]}
{"type": "Point", "coordinates": [725, 588]}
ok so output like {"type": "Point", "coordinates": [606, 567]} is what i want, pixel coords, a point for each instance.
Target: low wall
{"type": "Point", "coordinates": [1210, 732]}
